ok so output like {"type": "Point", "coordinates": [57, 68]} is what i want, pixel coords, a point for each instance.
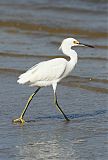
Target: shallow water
{"type": "Point", "coordinates": [31, 31]}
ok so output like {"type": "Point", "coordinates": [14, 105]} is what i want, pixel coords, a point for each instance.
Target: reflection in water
{"type": "Point", "coordinates": [48, 144]}
{"type": "Point", "coordinates": [31, 31]}
{"type": "Point", "coordinates": [64, 141]}
{"type": "Point", "coordinates": [46, 150]}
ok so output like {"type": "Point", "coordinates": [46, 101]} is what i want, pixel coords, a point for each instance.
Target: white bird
{"type": "Point", "coordinates": [50, 72]}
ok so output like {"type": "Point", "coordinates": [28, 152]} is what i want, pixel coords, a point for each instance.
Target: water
{"type": "Point", "coordinates": [30, 32]}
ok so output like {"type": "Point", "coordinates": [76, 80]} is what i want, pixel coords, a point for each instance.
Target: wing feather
{"type": "Point", "coordinates": [44, 71]}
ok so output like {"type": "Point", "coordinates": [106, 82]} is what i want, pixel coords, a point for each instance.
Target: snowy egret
{"type": "Point", "coordinates": [50, 72]}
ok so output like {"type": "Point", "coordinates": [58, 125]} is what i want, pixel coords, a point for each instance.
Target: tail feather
{"type": "Point", "coordinates": [24, 78]}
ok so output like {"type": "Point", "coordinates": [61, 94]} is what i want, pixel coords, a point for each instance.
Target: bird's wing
{"type": "Point", "coordinates": [45, 71]}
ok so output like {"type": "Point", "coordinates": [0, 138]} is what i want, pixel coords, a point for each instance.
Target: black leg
{"type": "Point", "coordinates": [58, 107]}
{"type": "Point", "coordinates": [20, 119]}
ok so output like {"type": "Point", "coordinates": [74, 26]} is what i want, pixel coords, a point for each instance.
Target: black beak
{"type": "Point", "coordinates": [87, 45]}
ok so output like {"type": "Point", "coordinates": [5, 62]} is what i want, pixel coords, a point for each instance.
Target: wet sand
{"type": "Point", "coordinates": [31, 31]}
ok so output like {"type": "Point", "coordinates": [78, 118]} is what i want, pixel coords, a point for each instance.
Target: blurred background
{"type": "Point", "coordinates": [32, 31]}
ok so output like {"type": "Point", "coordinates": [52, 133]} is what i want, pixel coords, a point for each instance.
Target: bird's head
{"type": "Point", "coordinates": [71, 42]}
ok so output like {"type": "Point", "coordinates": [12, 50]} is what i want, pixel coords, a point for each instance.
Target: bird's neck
{"type": "Point", "coordinates": [72, 54]}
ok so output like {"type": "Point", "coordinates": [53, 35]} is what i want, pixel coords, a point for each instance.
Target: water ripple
{"type": "Point", "coordinates": [16, 55]}
{"type": "Point", "coordinates": [44, 28]}
{"type": "Point", "coordinates": [71, 116]}
{"type": "Point", "coordinates": [70, 81]}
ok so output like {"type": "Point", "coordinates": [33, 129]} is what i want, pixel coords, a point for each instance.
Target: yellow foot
{"type": "Point", "coordinates": [19, 120]}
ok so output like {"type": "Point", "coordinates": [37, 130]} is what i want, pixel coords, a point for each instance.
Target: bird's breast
{"type": "Point", "coordinates": [70, 66]}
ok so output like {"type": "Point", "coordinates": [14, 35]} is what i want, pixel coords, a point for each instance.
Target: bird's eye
{"type": "Point", "coordinates": [75, 42]}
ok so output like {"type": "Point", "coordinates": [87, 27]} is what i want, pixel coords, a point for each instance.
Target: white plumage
{"type": "Point", "coordinates": [44, 73]}
{"type": "Point", "coordinates": [50, 73]}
